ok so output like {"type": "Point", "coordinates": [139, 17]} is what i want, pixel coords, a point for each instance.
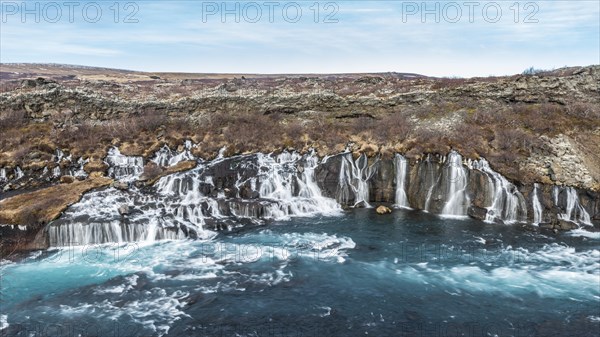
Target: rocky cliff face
{"type": "Point", "coordinates": [250, 189]}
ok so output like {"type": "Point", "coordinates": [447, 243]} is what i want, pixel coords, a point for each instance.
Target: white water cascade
{"type": "Point", "coordinates": [432, 179]}
{"type": "Point", "coordinates": [289, 179]}
{"type": "Point", "coordinates": [18, 173]}
{"type": "Point", "coordinates": [79, 172]}
{"type": "Point", "coordinates": [537, 206]}
{"type": "Point", "coordinates": [354, 178]}
{"type": "Point", "coordinates": [166, 157]}
{"type": "Point", "coordinates": [507, 202]}
{"type": "Point", "coordinates": [574, 211]}
{"type": "Point", "coordinates": [124, 168]}
{"type": "Point", "coordinates": [401, 165]}
{"type": "Point", "coordinates": [75, 171]}
{"type": "Point", "coordinates": [191, 203]}
{"type": "Point", "coordinates": [3, 174]}
{"type": "Point", "coordinates": [456, 175]}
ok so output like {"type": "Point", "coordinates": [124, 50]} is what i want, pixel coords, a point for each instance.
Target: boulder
{"type": "Point", "coordinates": [479, 213]}
{"type": "Point", "coordinates": [124, 209]}
{"type": "Point", "coordinates": [567, 225]}
{"type": "Point", "coordinates": [67, 179]}
{"type": "Point", "coordinates": [120, 185]}
{"type": "Point", "coordinates": [383, 210]}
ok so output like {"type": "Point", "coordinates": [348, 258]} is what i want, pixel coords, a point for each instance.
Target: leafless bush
{"type": "Point", "coordinates": [584, 110]}
{"type": "Point", "coordinates": [12, 119]}
{"type": "Point", "coordinates": [150, 120]}
{"type": "Point", "coordinates": [7, 86]}
{"type": "Point", "coordinates": [21, 152]}
{"type": "Point", "coordinates": [448, 83]}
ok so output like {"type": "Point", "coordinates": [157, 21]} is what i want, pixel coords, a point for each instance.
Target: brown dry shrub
{"type": "Point", "coordinates": [448, 83]}
{"type": "Point", "coordinates": [584, 110]}
{"type": "Point", "coordinates": [12, 119]}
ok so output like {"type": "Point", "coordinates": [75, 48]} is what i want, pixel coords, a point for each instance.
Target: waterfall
{"type": "Point", "coordinates": [401, 166]}
{"type": "Point", "coordinates": [432, 179]}
{"type": "Point", "coordinates": [455, 173]}
{"type": "Point", "coordinates": [507, 202]}
{"type": "Point", "coordinates": [167, 157]}
{"type": "Point", "coordinates": [354, 178]}
{"type": "Point", "coordinates": [18, 173]}
{"type": "Point", "coordinates": [74, 170]}
{"type": "Point", "coordinates": [3, 174]}
{"type": "Point", "coordinates": [573, 210]}
{"type": "Point", "coordinates": [537, 206]}
{"type": "Point", "coordinates": [124, 168]}
{"type": "Point", "coordinates": [56, 172]}
{"type": "Point", "coordinates": [289, 180]}
{"type": "Point", "coordinates": [58, 155]}
{"type": "Point", "coordinates": [78, 234]}
{"type": "Point", "coordinates": [186, 204]}
{"type": "Point", "coordinates": [79, 172]}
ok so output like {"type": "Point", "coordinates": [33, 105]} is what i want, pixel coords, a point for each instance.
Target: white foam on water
{"type": "Point", "coordinates": [130, 282]}
{"type": "Point", "coordinates": [595, 319]}
{"type": "Point", "coordinates": [584, 233]}
{"type": "Point", "coordinates": [156, 311]}
{"type": "Point", "coordinates": [4, 322]}
{"type": "Point", "coordinates": [326, 313]}
{"type": "Point", "coordinates": [553, 271]}
{"type": "Point", "coordinates": [317, 246]}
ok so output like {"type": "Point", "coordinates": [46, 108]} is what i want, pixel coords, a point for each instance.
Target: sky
{"type": "Point", "coordinates": [436, 38]}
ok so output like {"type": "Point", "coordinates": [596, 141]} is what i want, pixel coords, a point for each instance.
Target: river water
{"type": "Point", "coordinates": [409, 273]}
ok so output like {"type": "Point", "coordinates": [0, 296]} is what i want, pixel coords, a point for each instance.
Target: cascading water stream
{"type": "Point", "coordinates": [456, 177]}
{"type": "Point", "coordinates": [296, 193]}
{"type": "Point", "coordinates": [227, 191]}
{"type": "Point", "coordinates": [354, 178]}
{"type": "Point", "coordinates": [433, 181]}
{"type": "Point", "coordinates": [401, 165]}
{"type": "Point", "coordinates": [124, 168]}
{"type": "Point", "coordinates": [537, 206]}
{"type": "Point", "coordinates": [185, 204]}
{"type": "Point", "coordinates": [573, 210]}
{"type": "Point", "coordinates": [507, 202]}
{"type": "Point", "coordinates": [166, 157]}
{"type": "Point", "coordinates": [18, 173]}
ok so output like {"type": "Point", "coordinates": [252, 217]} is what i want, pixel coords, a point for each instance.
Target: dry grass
{"type": "Point", "coordinates": [47, 204]}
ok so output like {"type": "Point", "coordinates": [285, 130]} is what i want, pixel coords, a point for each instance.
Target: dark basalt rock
{"type": "Point", "coordinates": [478, 189]}
{"type": "Point", "coordinates": [20, 238]}
{"type": "Point", "coordinates": [477, 212]}
{"type": "Point", "coordinates": [327, 175]}
{"type": "Point", "coordinates": [382, 187]}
